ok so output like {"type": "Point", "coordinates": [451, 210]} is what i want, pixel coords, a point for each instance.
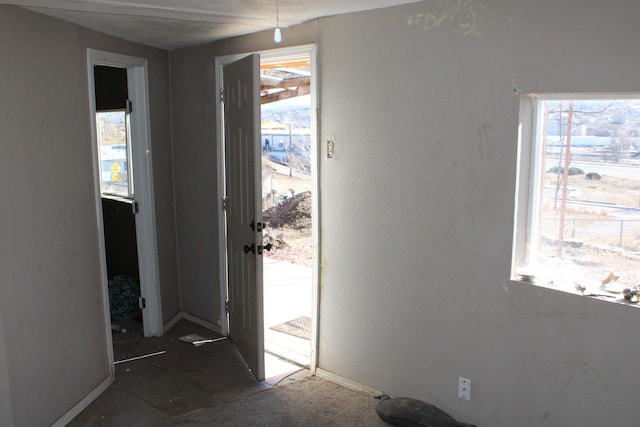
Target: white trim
{"type": "Point", "coordinates": [193, 319]}
{"type": "Point", "coordinates": [98, 201]}
{"type": "Point", "coordinates": [270, 54]}
{"type": "Point", "coordinates": [257, 182]}
{"type": "Point", "coordinates": [315, 203]}
{"type": "Point", "coordinates": [583, 96]}
{"type": "Point", "coordinates": [146, 219]}
{"type": "Point", "coordinates": [345, 382]}
{"type": "Point", "coordinates": [222, 230]}
{"type": "Point", "coordinates": [522, 203]}
{"type": "Point", "coordinates": [85, 402]}
{"type": "Point", "coordinates": [171, 323]}
{"type": "Point", "coordinates": [530, 170]}
{"type": "Point", "coordinates": [205, 324]}
{"type": "Point", "coordinates": [137, 79]}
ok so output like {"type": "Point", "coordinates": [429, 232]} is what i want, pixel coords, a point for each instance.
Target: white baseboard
{"type": "Point", "coordinates": [82, 405]}
{"type": "Point", "coordinates": [345, 382]}
{"type": "Point", "coordinates": [171, 323]}
{"type": "Point", "coordinates": [205, 324]}
{"type": "Point", "coordinates": [193, 319]}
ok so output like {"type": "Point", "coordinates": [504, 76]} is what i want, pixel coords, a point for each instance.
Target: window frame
{"type": "Point", "coordinates": [529, 171]}
{"type": "Point", "coordinates": [130, 192]}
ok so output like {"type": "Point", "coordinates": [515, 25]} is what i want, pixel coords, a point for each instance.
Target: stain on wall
{"type": "Point", "coordinates": [465, 18]}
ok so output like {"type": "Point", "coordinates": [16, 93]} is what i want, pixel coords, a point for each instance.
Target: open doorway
{"type": "Point", "coordinates": [287, 210]}
{"type": "Point", "coordinates": [113, 138]}
{"type": "Point", "coordinates": [274, 175]}
{"type": "Point", "coordinates": [124, 195]}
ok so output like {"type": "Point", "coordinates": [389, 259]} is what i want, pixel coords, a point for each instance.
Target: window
{"type": "Point", "coordinates": [114, 150]}
{"type": "Point", "coordinates": [577, 216]}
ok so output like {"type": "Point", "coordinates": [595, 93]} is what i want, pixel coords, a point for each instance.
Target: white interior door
{"type": "Point", "coordinates": [143, 183]}
{"type": "Point", "coordinates": [241, 83]}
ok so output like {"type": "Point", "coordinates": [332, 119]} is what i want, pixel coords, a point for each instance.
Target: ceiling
{"type": "Point", "coordinates": [172, 24]}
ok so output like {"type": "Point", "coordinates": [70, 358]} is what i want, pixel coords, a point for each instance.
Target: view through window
{"type": "Point", "coordinates": [114, 153]}
{"type": "Point", "coordinates": [583, 221]}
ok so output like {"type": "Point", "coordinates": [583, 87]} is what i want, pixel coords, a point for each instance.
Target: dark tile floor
{"type": "Point", "coordinates": [208, 385]}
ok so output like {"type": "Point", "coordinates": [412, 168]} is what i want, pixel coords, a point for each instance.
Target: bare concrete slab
{"type": "Point", "coordinates": [211, 385]}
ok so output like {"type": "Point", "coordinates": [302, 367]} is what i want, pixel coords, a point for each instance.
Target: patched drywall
{"type": "Point", "coordinates": [54, 345]}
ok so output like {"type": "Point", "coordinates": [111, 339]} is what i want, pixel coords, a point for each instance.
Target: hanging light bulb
{"type": "Point", "coordinates": [277, 34]}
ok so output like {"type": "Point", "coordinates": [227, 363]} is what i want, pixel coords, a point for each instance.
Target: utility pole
{"type": "Point", "coordinates": [555, 199]}
{"type": "Point", "coordinates": [545, 131]}
{"type": "Point", "coordinates": [565, 180]}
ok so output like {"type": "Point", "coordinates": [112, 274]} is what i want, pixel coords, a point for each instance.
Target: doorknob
{"type": "Point", "coordinates": [251, 248]}
{"type": "Point", "coordinates": [256, 226]}
{"type": "Point", "coordinates": [266, 247]}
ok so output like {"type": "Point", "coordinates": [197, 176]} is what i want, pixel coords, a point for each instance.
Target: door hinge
{"type": "Point", "coordinates": [222, 95]}
{"type": "Point", "coordinates": [135, 208]}
{"type": "Point", "coordinates": [226, 306]}
{"type": "Point", "coordinates": [225, 202]}
{"type": "Point", "coordinates": [129, 106]}
{"type": "Point", "coordinates": [142, 303]}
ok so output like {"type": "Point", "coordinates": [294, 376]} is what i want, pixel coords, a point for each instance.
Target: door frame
{"type": "Point", "coordinates": [137, 81]}
{"type": "Point", "coordinates": [221, 61]}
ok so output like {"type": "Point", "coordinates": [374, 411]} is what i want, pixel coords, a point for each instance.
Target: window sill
{"type": "Point", "coordinates": [601, 295]}
{"type": "Point", "coordinates": [117, 198]}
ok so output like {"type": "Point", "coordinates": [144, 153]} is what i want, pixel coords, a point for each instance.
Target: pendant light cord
{"type": "Point", "coordinates": [277, 34]}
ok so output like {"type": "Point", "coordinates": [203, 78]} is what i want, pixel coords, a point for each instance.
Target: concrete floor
{"type": "Point", "coordinates": [287, 296]}
{"type": "Point", "coordinates": [211, 385]}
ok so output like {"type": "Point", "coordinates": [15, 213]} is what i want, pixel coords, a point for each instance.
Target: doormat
{"type": "Point", "coordinates": [300, 327]}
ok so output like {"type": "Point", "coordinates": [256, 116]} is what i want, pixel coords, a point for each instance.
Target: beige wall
{"type": "Point", "coordinates": [417, 205]}
{"type": "Point", "coordinates": [425, 130]}
{"type": "Point", "coordinates": [417, 208]}
{"type": "Point", "coordinates": [195, 183]}
{"type": "Point", "coordinates": [54, 348]}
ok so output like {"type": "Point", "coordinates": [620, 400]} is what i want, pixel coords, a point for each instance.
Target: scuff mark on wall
{"type": "Point", "coordinates": [463, 17]}
{"type": "Point", "coordinates": [581, 380]}
{"type": "Point", "coordinates": [324, 260]}
{"type": "Point", "coordinates": [437, 150]}
{"type": "Point", "coordinates": [484, 141]}
{"type": "Point", "coordinates": [514, 86]}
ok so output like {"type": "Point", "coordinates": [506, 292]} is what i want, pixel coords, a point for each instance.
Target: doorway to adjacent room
{"type": "Point", "coordinates": [124, 195]}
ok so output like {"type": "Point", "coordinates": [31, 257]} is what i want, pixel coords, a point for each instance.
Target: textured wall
{"type": "Point", "coordinates": [51, 309]}
{"type": "Point", "coordinates": [6, 416]}
{"type": "Point", "coordinates": [194, 154]}
{"type": "Point", "coordinates": [417, 210]}
{"type": "Point", "coordinates": [417, 205]}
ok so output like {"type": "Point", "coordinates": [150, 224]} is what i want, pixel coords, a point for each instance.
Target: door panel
{"type": "Point", "coordinates": [243, 208]}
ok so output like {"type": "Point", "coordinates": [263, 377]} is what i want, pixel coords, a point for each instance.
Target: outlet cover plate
{"type": "Point", "coordinates": [464, 388]}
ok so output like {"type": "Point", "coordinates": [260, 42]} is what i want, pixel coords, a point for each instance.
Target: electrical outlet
{"type": "Point", "coordinates": [464, 388]}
